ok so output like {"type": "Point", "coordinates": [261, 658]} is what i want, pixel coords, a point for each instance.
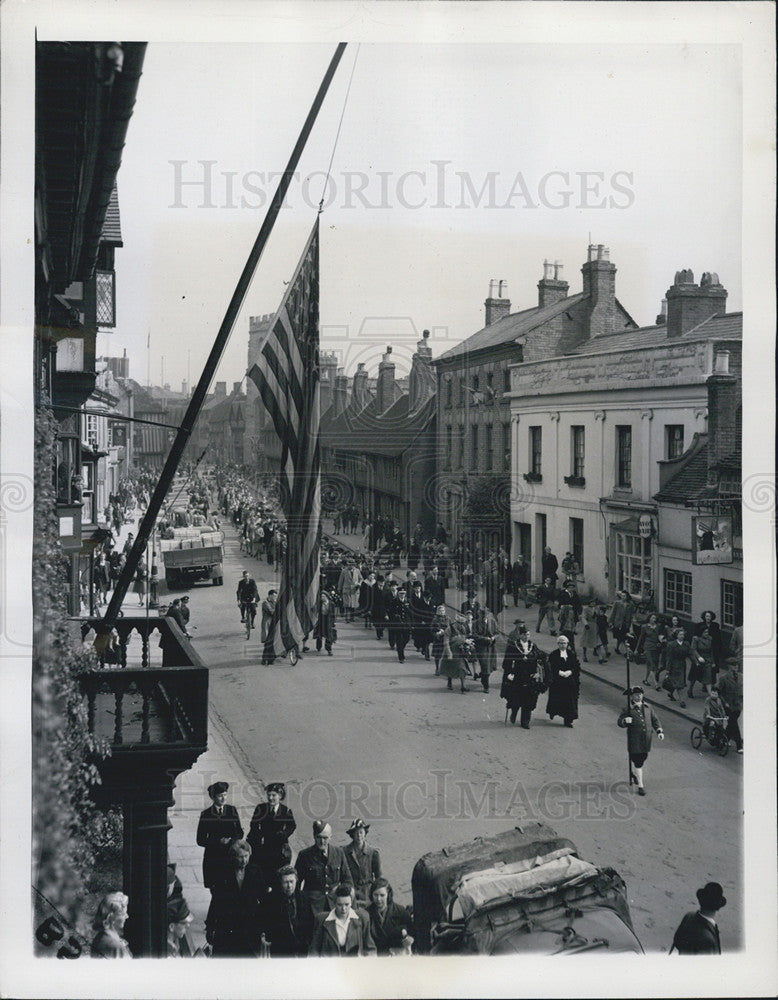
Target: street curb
{"type": "Point", "coordinates": [589, 673]}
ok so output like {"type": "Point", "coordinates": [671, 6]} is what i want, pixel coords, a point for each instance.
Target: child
{"type": "Point", "coordinates": [713, 713]}
{"type": "Point", "coordinates": [589, 616]}
{"type": "Point", "coordinates": [601, 621]}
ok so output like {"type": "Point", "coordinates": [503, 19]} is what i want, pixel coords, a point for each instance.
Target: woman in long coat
{"type": "Point", "coordinates": [522, 674]}
{"type": "Point", "coordinates": [702, 661]}
{"type": "Point", "coordinates": [708, 621]}
{"type": "Point", "coordinates": [564, 682]}
{"type": "Point", "coordinates": [677, 653]}
{"type": "Point", "coordinates": [454, 661]}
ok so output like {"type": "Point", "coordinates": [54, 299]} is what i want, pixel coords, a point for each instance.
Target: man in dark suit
{"type": "Point", "coordinates": [434, 591]}
{"type": "Point", "coordinates": [287, 921]}
{"type": "Point", "coordinates": [219, 826]}
{"type": "Point", "coordinates": [321, 868]}
{"type": "Point", "coordinates": [698, 933]}
{"type": "Point", "coordinates": [377, 607]}
{"type": "Point", "coordinates": [399, 618]}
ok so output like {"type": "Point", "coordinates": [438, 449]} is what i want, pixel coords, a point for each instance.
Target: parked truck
{"type": "Point", "coordinates": [193, 554]}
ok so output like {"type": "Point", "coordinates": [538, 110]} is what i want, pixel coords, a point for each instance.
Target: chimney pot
{"type": "Point", "coordinates": [546, 270]}
{"type": "Point", "coordinates": [722, 363]}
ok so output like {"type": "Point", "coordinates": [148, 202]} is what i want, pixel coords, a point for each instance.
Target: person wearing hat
{"type": "Point", "coordinates": [641, 722]}
{"type": "Point", "coordinates": [321, 867]}
{"type": "Point", "coordinates": [219, 826]}
{"type": "Point", "coordinates": [698, 932]}
{"type": "Point", "coordinates": [708, 624]}
{"type": "Point", "coordinates": [178, 920]}
{"type": "Point", "coordinates": [287, 921]}
{"type": "Point", "coordinates": [421, 619]}
{"type": "Point", "coordinates": [364, 862]}
{"type": "Point", "coordinates": [349, 582]}
{"type": "Point", "coordinates": [523, 673]}
{"type": "Point", "coordinates": [272, 825]}
{"type": "Point", "coordinates": [485, 636]}
{"type": "Point", "coordinates": [398, 618]}
{"type": "Point", "coordinates": [730, 689]}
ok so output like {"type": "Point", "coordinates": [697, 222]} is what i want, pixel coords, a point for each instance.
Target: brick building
{"type": "Point", "coordinates": [474, 381]}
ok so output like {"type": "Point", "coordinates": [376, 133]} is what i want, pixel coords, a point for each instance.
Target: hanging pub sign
{"type": "Point", "coordinates": [645, 526]}
{"type": "Point", "coordinates": [711, 540]}
{"type": "Point", "coordinates": [118, 433]}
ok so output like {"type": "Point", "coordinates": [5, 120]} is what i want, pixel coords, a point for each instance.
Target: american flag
{"type": "Point", "coordinates": [287, 377]}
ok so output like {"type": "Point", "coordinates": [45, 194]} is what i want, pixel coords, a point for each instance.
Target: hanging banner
{"type": "Point", "coordinates": [712, 540]}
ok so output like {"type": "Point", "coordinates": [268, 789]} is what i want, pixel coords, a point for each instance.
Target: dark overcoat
{"type": "Point", "coordinates": [519, 687]}
{"type": "Point", "coordinates": [268, 836]}
{"type": "Point", "coordinates": [210, 831]}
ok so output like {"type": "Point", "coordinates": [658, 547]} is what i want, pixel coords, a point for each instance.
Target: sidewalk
{"type": "Point", "coordinates": [613, 672]}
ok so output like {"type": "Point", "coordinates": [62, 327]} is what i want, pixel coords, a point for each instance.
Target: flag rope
{"type": "Point", "coordinates": [337, 134]}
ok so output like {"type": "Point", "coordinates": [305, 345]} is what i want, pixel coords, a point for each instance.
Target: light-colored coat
{"type": "Point", "coordinates": [359, 939]}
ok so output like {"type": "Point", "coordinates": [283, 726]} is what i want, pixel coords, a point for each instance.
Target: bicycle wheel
{"type": "Point", "coordinates": [294, 656]}
{"type": "Point", "coordinates": [696, 737]}
{"type": "Point", "coordinates": [723, 747]}
{"type": "Point", "coordinates": [248, 624]}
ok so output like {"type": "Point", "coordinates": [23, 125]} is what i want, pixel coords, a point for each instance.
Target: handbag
{"type": "Point", "coordinates": [667, 684]}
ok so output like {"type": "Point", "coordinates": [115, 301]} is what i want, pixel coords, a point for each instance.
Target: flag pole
{"type": "Point", "coordinates": [199, 394]}
{"type": "Point", "coordinates": [629, 709]}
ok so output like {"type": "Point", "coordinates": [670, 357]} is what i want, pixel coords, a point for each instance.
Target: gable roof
{"type": "Point", "coordinates": [508, 328]}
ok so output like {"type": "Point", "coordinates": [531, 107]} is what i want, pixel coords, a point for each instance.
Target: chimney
{"type": "Point", "coordinates": [724, 410]}
{"type": "Point", "coordinates": [496, 305]}
{"type": "Point", "coordinates": [551, 287]}
{"type": "Point", "coordinates": [360, 397]}
{"type": "Point", "coordinates": [340, 393]}
{"type": "Point", "coordinates": [599, 283]}
{"type": "Point", "coordinates": [184, 387]}
{"type": "Point", "coordinates": [689, 304]}
{"type": "Point", "coordinates": [385, 386]}
{"type": "Point", "coordinates": [422, 382]}
{"type": "Point", "coordinates": [661, 319]}
{"type": "Point", "coordinates": [220, 389]}
{"type": "Point", "coordinates": [236, 388]}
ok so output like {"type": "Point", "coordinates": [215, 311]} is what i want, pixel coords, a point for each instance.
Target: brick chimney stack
{"type": "Point", "coordinates": [599, 283]}
{"type": "Point", "coordinates": [689, 304]}
{"type": "Point", "coordinates": [724, 410]}
{"type": "Point", "coordinates": [359, 394]}
{"type": "Point", "coordinates": [551, 287]}
{"type": "Point", "coordinates": [340, 393]}
{"type": "Point", "coordinates": [236, 388]}
{"type": "Point", "coordinates": [220, 389]}
{"type": "Point", "coordinates": [497, 305]}
{"type": "Point", "coordinates": [422, 381]}
{"type": "Point", "coordinates": [385, 386]}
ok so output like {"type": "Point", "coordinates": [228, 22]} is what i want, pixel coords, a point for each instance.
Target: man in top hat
{"type": "Point", "coordinates": [364, 862]}
{"type": "Point", "coordinates": [641, 723]}
{"type": "Point", "coordinates": [321, 868]}
{"type": "Point", "coordinates": [698, 932]}
{"type": "Point", "coordinates": [219, 826]}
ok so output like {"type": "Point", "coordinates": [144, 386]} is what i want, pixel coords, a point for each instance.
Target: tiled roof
{"type": "Point", "coordinates": [689, 481]}
{"type": "Point", "coordinates": [392, 433]}
{"type": "Point", "coordinates": [504, 330]}
{"type": "Point", "coordinates": [112, 227]}
{"type": "Point", "coordinates": [726, 326]}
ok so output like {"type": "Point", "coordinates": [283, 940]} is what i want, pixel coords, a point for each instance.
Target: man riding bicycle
{"type": "Point", "coordinates": [248, 597]}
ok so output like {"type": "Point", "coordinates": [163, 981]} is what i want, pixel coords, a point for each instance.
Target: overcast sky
{"type": "Point", "coordinates": [456, 164]}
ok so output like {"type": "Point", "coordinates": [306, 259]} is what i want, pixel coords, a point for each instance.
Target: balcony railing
{"type": "Point", "coordinates": [147, 697]}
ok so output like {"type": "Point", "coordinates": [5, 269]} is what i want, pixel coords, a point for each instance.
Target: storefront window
{"type": "Point", "coordinates": [633, 562]}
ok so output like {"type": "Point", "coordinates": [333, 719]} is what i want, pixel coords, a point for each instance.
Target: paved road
{"type": "Point", "coordinates": [361, 734]}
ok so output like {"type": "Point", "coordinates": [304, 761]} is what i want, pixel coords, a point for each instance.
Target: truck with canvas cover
{"type": "Point", "coordinates": [522, 891]}
{"type": "Point", "coordinates": [192, 554]}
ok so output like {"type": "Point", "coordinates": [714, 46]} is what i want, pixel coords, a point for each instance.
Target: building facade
{"type": "Point", "coordinates": [599, 430]}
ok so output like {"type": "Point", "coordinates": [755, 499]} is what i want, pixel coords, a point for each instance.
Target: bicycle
{"type": "Point", "coordinates": [249, 612]}
{"type": "Point", "coordinates": [714, 732]}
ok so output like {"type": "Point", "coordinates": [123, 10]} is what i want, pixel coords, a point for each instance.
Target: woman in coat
{"type": "Point", "coordinates": [455, 651]}
{"type": "Point", "coordinates": [141, 576]}
{"type": "Point", "coordinates": [620, 618]}
{"type": "Point", "coordinates": [485, 637]}
{"type": "Point", "coordinates": [677, 652]}
{"type": "Point", "coordinates": [708, 621]}
{"type": "Point", "coordinates": [651, 645]}
{"type": "Point", "coordinates": [522, 674]}
{"type": "Point", "coordinates": [702, 660]}
{"type": "Point", "coordinates": [564, 682]}
{"type": "Point", "coordinates": [439, 628]}
{"type": "Point", "coordinates": [272, 825]}
{"type": "Point", "coordinates": [390, 923]}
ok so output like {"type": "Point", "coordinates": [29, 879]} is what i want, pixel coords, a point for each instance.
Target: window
{"type": "Point", "coordinates": [624, 457]}
{"type": "Point", "coordinates": [633, 565]}
{"type": "Point", "coordinates": [489, 448]}
{"type": "Point", "coordinates": [461, 463]}
{"type": "Point", "coordinates": [66, 470]}
{"type": "Point", "coordinates": [90, 430]}
{"type": "Point", "coordinates": [88, 512]}
{"type": "Point", "coordinates": [577, 439]}
{"type": "Point", "coordinates": [673, 440]}
{"type": "Point", "coordinates": [535, 449]}
{"type": "Point", "coordinates": [449, 452]}
{"type": "Point", "coordinates": [506, 446]}
{"type": "Point", "coordinates": [449, 393]}
{"type": "Point", "coordinates": [506, 387]}
{"type": "Point", "coordinates": [489, 387]}
{"type": "Point", "coordinates": [731, 603]}
{"type": "Point", "coordinates": [475, 383]}
{"type": "Point", "coordinates": [462, 392]}
{"type": "Point", "coordinates": [474, 446]}
{"type": "Point", "coordinates": [105, 298]}
{"type": "Point", "coordinates": [678, 592]}
{"type": "Point", "coordinates": [576, 540]}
